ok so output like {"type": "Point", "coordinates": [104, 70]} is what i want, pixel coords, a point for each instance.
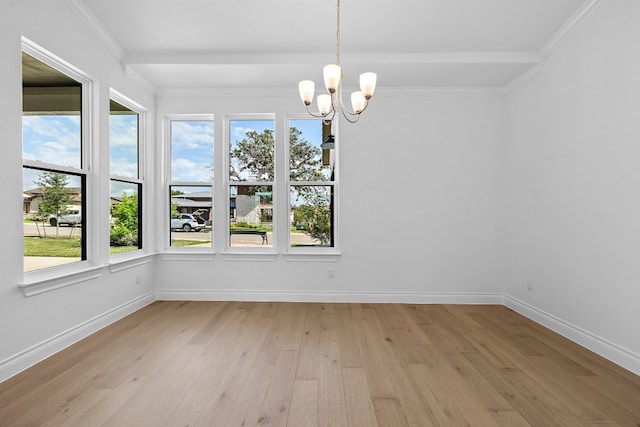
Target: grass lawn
{"type": "Point", "coordinates": [62, 247]}
{"type": "Point", "coordinates": [181, 243]}
{"type": "Point", "coordinates": [113, 250]}
{"type": "Point", "coordinates": [47, 246]}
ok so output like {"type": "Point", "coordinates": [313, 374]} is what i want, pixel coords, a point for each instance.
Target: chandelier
{"type": "Point", "coordinates": [329, 104]}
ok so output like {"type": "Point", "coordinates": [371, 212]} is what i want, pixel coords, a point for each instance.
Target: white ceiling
{"type": "Point", "coordinates": [192, 44]}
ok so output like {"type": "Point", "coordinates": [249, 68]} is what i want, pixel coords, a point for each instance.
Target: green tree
{"type": "Point", "coordinates": [252, 158]}
{"type": "Point", "coordinates": [125, 216]}
{"type": "Point", "coordinates": [315, 215]}
{"type": "Point", "coordinates": [305, 160]}
{"type": "Point", "coordinates": [56, 196]}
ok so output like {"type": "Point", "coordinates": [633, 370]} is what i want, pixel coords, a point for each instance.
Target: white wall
{"type": "Point", "coordinates": [574, 187]}
{"type": "Point", "coordinates": [443, 196]}
{"type": "Point", "coordinates": [33, 327]}
{"type": "Point", "coordinates": [419, 206]}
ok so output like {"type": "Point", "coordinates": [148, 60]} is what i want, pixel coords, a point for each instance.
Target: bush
{"type": "Point", "coordinates": [123, 237]}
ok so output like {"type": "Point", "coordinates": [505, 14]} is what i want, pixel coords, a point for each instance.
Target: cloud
{"type": "Point", "coordinates": [52, 139]}
{"type": "Point", "coordinates": [123, 131]}
{"type": "Point", "coordinates": [187, 170]}
{"type": "Point", "coordinates": [124, 167]}
{"type": "Point", "coordinates": [192, 135]}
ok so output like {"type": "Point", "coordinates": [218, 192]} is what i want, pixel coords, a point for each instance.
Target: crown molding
{"type": "Point", "coordinates": [524, 78]}
{"type": "Point", "coordinates": [139, 79]}
{"type": "Point", "coordinates": [570, 26]}
{"type": "Point", "coordinates": [96, 27]}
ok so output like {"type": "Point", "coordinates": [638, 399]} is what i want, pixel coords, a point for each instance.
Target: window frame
{"type": "Point", "coordinates": [221, 193]}
{"type": "Point", "coordinates": [138, 181]}
{"type": "Point", "coordinates": [169, 182]}
{"type": "Point", "coordinates": [310, 253]}
{"type": "Point", "coordinates": [42, 280]}
{"type": "Point", "coordinates": [257, 252]}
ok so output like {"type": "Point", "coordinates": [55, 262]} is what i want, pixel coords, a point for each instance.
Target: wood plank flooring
{"type": "Point", "coordinates": [307, 364]}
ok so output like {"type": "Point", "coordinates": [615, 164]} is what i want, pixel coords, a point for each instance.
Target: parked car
{"type": "Point", "coordinates": [72, 218]}
{"type": "Point", "coordinates": [186, 222]}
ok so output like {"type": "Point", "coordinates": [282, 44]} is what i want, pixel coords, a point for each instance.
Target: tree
{"type": "Point", "coordinates": [305, 160]}
{"type": "Point", "coordinates": [252, 158]}
{"type": "Point", "coordinates": [56, 197]}
{"type": "Point", "coordinates": [125, 215]}
{"type": "Point", "coordinates": [315, 215]}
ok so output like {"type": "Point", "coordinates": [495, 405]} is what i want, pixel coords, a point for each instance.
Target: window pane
{"type": "Point", "coordinates": [53, 220]}
{"type": "Point", "coordinates": [52, 139]}
{"type": "Point", "coordinates": [192, 150]}
{"type": "Point", "coordinates": [251, 215]}
{"type": "Point", "coordinates": [307, 159]}
{"type": "Point", "coordinates": [123, 140]}
{"type": "Point", "coordinates": [312, 215]}
{"type": "Point", "coordinates": [126, 211]}
{"type": "Point", "coordinates": [251, 150]}
{"type": "Point", "coordinates": [51, 105]}
{"type": "Point", "coordinates": [191, 215]}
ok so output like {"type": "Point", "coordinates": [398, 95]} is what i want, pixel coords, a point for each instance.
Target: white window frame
{"type": "Point", "coordinates": [38, 281]}
{"type": "Point", "coordinates": [253, 253]}
{"type": "Point", "coordinates": [188, 252]}
{"type": "Point", "coordinates": [138, 180]}
{"type": "Point", "coordinates": [311, 253]}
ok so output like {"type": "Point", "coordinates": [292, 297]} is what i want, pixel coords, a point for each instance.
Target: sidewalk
{"type": "Point", "coordinates": [32, 263]}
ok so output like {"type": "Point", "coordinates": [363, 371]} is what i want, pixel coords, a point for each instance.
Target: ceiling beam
{"type": "Point", "coordinates": [212, 58]}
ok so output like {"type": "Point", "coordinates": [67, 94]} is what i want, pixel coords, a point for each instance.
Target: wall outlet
{"type": "Point", "coordinates": [530, 285]}
{"type": "Point", "coordinates": [331, 273]}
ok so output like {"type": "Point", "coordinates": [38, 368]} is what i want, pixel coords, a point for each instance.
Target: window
{"type": "Point", "coordinates": [55, 161]}
{"type": "Point", "coordinates": [191, 181]}
{"type": "Point", "coordinates": [251, 180]}
{"type": "Point", "coordinates": [312, 184]}
{"type": "Point", "coordinates": [125, 216]}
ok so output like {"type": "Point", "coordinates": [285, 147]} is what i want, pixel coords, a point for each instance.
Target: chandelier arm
{"type": "Point", "coordinates": [318, 115]}
{"type": "Point", "coordinates": [344, 109]}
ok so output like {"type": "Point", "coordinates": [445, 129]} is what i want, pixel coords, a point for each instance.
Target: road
{"type": "Point", "coordinates": [33, 229]}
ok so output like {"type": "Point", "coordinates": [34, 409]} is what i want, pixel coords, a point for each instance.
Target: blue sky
{"type": "Point", "coordinates": [56, 139]}
{"type": "Point", "coordinates": [123, 141]}
{"type": "Point", "coordinates": [51, 139]}
{"type": "Point", "coordinates": [192, 150]}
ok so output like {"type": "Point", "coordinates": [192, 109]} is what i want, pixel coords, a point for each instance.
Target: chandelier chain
{"type": "Point", "coordinates": [338, 34]}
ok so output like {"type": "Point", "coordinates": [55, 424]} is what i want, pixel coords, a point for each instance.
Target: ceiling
{"type": "Point", "coordinates": [192, 44]}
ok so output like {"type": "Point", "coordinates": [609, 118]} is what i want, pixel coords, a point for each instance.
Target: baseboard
{"type": "Point", "coordinates": [610, 351]}
{"type": "Point", "coordinates": [338, 297]}
{"type": "Point", "coordinates": [29, 357]}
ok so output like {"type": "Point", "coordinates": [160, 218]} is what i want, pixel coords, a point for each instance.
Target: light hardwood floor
{"type": "Point", "coordinates": [304, 364]}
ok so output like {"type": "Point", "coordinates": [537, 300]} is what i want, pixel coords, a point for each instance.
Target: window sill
{"type": "Point", "coordinates": [42, 281]}
{"type": "Point", "coordinates": [126, 261]}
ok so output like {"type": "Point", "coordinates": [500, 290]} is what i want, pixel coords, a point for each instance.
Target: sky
{"type": "Point", "coordinates": [56, 140]}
